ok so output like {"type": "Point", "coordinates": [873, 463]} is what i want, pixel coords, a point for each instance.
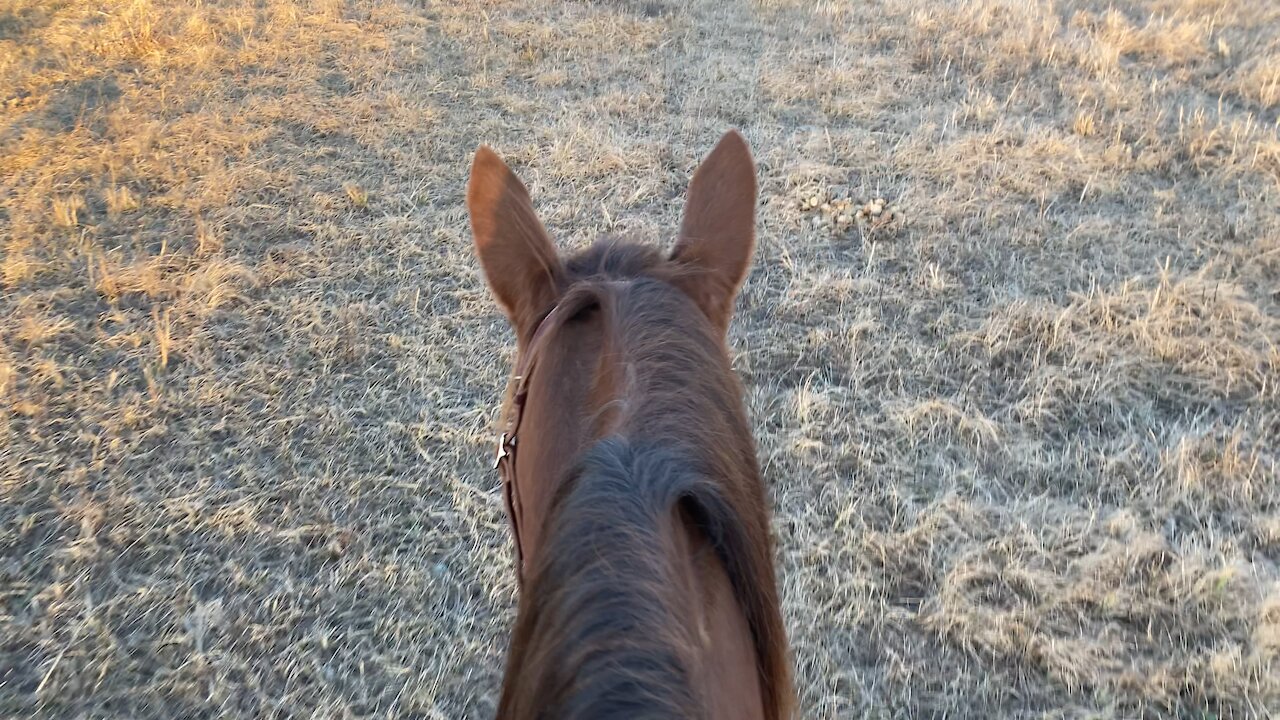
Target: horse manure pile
{"type": "Point", "coordinates": [841, 214]}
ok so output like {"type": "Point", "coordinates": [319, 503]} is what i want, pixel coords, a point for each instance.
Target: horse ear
{"type": "Point", "coordinates": [717, 235]}
{"type": "Point", "coordinates": [519, 260]}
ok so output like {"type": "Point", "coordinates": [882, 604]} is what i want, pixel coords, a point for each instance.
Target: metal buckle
{"type": "Point", "coordinates": [502, 451]}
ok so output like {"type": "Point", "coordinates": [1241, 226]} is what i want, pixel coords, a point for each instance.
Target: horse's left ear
{"type": "Point", "coordinates": [717, 235]}
{"type": "Point", "coordinates": [517, 254]}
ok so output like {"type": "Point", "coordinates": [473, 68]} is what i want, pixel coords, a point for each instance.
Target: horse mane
{"type": "Point", "coordinates": [598, 632]}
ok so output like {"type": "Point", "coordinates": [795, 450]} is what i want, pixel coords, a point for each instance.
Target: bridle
{"type": "Point", "coordinates": [505, 460]}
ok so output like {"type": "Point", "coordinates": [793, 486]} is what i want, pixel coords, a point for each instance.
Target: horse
{"type": "Point", "coordinates": [641, 533]}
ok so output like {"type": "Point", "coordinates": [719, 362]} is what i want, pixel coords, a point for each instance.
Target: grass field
{"type": "Point", "coordinates": [1019, 423]}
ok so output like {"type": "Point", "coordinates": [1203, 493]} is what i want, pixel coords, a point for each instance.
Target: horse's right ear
{"type": "Point", "coordinates": [717, 235]}
{"type": "Point", "coordinates": [517, 255]}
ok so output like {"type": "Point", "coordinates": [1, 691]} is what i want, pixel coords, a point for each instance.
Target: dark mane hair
{"type": "Point", "coordinates": [598, 642]}
{"type": "Point", "coordinates": [600, 582]}
{"type": "Point", "coordinates": [614, 256]}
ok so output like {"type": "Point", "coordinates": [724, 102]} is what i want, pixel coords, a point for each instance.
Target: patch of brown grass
{"type": "Point", "coordinates": [1021, 438]}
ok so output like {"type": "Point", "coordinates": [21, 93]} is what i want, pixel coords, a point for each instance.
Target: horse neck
{"type": "Point", "coordinates": [598, 633]}
{"type": "Point", "coordinates": [676, 608]}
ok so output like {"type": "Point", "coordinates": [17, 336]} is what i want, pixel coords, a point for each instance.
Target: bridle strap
{"type": "Point", "coordinates": [505, 461]}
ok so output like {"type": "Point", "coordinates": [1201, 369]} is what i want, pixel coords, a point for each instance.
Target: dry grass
{"type": "Point", "coordinates": [1021, 438]}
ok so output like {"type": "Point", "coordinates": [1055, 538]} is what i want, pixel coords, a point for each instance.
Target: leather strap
{"type": "Point", "coordinates": [505, 461]}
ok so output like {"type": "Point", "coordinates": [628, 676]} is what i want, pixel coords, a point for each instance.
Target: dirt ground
{"type": "Point", "coordinates": [1019, 419]}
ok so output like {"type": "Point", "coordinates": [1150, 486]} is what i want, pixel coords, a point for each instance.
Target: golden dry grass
{"type": "Point", "coordinates": [1020, 424]}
